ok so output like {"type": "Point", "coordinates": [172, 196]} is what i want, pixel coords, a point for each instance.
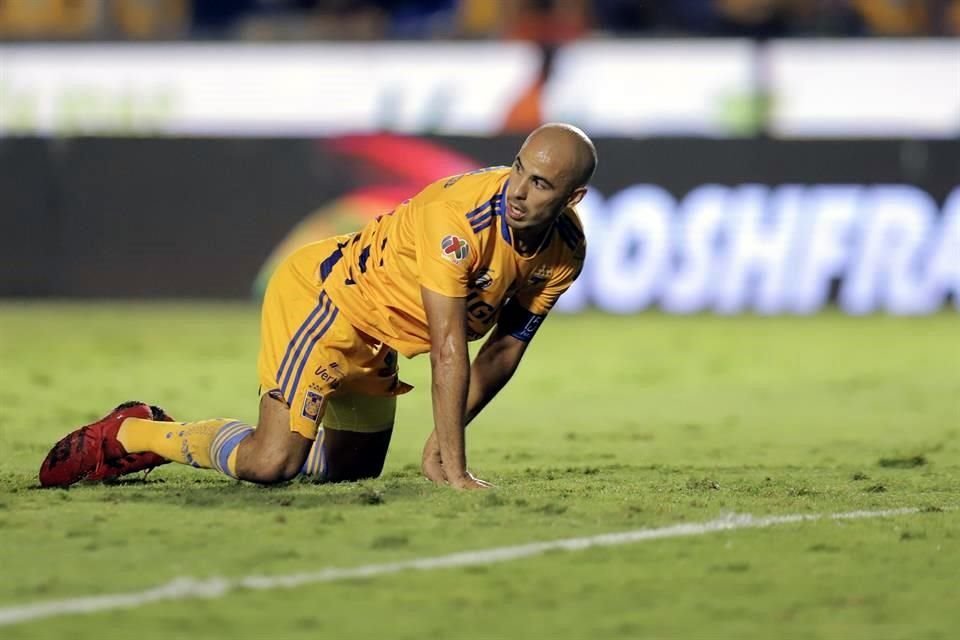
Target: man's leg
{"type": "Point", "coordinates": [354, 456]}
{"type": "Point", "coordinates": [354, 440]}
{"type": "Point", "coordinates": [295, 365]}
{"type": "Point", "coordinates": [352, 447]}
{"type": "Point", "coordinates": [270, 453]}
{"type": "Point", "coordinates": [295, 318]}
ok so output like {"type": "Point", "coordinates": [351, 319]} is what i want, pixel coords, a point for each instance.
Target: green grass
{"type": "Point", "coordinates": [611, 424]}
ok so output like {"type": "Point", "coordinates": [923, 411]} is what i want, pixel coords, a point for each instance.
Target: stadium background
{"type": "Point", "coordinates": [159, 129]}
{"type": "Point", "coordinates": [789, 158]}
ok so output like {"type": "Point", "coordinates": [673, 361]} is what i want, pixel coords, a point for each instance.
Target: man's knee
{"type": "Point", "coordinates": [360, 471]}
{"type": "Point", "coordinates": [272, 453]}
{"type": "Point", "coordinates": [270, 467]}
{"type": "Point", "coordinates": [355, 456]}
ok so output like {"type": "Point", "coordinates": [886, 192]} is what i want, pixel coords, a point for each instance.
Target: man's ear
{"type": "Point", "coordinates": [576, 196]}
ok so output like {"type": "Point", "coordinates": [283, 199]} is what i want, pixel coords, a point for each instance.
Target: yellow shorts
{"type": "Point", "coordinates": [317, 360]}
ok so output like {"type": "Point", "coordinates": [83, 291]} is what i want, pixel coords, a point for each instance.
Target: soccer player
{"type": "Point", "coordinates": [493, 248]}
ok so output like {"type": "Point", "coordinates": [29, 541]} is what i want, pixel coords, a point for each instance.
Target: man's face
{"type": "Point", "coordinates": [538, 190]}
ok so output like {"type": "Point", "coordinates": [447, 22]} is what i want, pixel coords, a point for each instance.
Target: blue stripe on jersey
{"type": "Point", "coordinates": [327, 265]}
{"type": "Point", "coordinates": [566, 237]}
{"type": "Point", "coordinates": [505, 229]}
{"type": "Point", "coordinates": [303, 342]}
{"type": "Point", "coordinates": [482, 217]}
{"type": "Point", "coordinates": [570, 226]}
{"type": "Point", "coordinates": [499, 210]}
{"type": "Point", "coordinates": [568, 232]}
{"type": "Point", "coordinates": [482, 221]}
{"type": "Point", "coordinates": [483, 207]}
{"type": "Point", "coordinates": [485, 225]}
{"type": "Point", "coordinates": [306, 356]}
{"type": "Point", "coordinates": [479, 213]}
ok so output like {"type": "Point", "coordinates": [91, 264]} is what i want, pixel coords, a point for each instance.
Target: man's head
{"type": "Point", "coordinates": [550, 173]}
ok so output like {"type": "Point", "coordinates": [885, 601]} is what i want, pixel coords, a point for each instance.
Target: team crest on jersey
{"type": "Point", "coordinates": [542, 274]}
{"type": "Point", "coordinates": [454, 249]}
{"type": "Point", "coordinates": [311, 405]}
{"type": "Point", "coordinates": [482, 279]}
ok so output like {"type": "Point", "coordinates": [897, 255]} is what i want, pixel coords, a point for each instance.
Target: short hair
{"type": "Point", "coordinates": [589, 167]}
{"type": "Point", "coordinates": [587, 152]}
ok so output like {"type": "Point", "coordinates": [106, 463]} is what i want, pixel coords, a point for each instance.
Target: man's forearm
{"type": "Point", "coordinates": [451, 379]}
{"type": "Point", "coordinates": [491, 370]}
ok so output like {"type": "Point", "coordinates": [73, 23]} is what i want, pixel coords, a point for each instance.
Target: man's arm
{"type": "Point", "coordinates": [450, 366]}
{"type": "Point", "coordinates": [493, 367]}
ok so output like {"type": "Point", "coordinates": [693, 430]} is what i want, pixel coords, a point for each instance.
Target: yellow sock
{"type": "Point", "coordinates": [210, 444]}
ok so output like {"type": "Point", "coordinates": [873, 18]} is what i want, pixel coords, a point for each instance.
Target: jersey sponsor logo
{"type": "Point", "coordinates": [454, 248]}
{"type": "Point", "coordinates": [311, 405]}
{"type": "Point", "coordinates": [478, 309]}
{"type": "Point", "coordinates": [329, 374]}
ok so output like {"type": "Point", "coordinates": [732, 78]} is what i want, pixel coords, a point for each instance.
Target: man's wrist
{"type": "Point", "coordinates": [456, 474]}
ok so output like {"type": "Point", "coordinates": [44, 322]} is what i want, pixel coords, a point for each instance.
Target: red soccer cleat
{"type": "Point", "coordinates": [113, 468]}
{"type": "Point", "coordinates": [94, 453]}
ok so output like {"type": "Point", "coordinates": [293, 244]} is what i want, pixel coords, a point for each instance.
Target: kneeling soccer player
{"type": "Point", "coordinates": [493, 248]}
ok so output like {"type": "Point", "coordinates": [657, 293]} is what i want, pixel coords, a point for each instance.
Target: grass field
{"type": "Point", "coordinates": [612, 424]}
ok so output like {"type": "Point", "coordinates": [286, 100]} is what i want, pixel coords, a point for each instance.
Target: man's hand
{"type": "Point", "coordinates": [467, 481]}
{"type": "Point", "coordinates": [432, 467]}
{"type": "Point", "coordinates": [432, 463]}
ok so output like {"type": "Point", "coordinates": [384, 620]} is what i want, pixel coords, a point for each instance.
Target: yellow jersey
{"type": "Point", "coordinates": [452, 238]}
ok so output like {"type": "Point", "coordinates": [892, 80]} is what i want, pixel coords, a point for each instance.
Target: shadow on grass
{"type": "Point", "coordinates": [215, 491]}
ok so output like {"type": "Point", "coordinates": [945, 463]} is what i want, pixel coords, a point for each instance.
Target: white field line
{"type": "Point", "coordinates": [187, 588]}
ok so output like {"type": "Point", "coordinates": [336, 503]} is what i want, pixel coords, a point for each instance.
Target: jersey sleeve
{"type": "Point", "coordinates": [524, 313]}
{"type": "Point", "coordinates": [540, 300]}
{"type": "Point", "coordinates": [447, 249]}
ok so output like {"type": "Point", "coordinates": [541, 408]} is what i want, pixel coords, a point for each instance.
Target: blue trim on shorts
{"type": "Point", "coordinates": [299, 332]}
{"type": "Point", "coordinates": [303, 341]}
{"type": "Point", "coordinates": [306, 356]}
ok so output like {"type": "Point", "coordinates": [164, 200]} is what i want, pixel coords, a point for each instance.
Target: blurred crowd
{"type": "Point", "coordinates": [546, 21]}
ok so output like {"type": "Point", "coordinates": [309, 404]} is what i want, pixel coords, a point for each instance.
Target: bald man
{"type": "Point", "coordinates": [487, 252]}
